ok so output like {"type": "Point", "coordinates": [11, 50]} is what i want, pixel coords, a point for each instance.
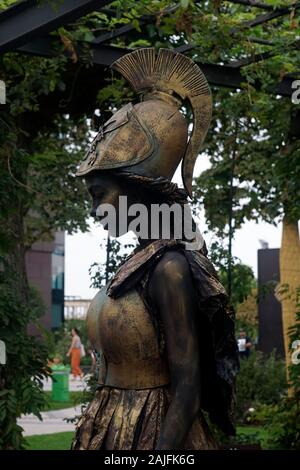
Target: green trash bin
{"type": "Point", "coordinates": [60, 383]}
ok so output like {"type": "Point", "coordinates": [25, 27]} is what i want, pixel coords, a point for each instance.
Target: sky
{"type": "Point", "coordinates": [82, 249]}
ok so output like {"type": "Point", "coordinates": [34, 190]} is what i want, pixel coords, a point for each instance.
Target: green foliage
{"type": "Point", "coordinates": [101, 273]}
{"type": "Point", "coordinates": [28, 79]}
{"type": "Point", "coordinates": [282, 424]}
{"type": "Point", "coordinates": [243, 280]}
{"type": "Point", "coordinates": [261, 380]}
{"type": "Point", "coordinates": [282, 419]}
{"type": "Point", "coordinates": [4, 4]}
{"type": "Point", "coordinates": [250, 435]}
{"type": "Point", "coordinates": [21, 377]}
{"type": "Point", "coordinates": [250, 141]}
{"type": "Point", "coordinates": [85, 397]}
{"type": "Point", "coordinates": [114, 95]}
{"type": "Point", "coordinates": [39, 152]}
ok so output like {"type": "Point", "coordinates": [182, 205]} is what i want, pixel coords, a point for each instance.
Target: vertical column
{"type": "Point", "coordinates": [289, 277]}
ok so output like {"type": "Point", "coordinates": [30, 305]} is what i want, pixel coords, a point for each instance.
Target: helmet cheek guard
{"type": "Point", "coordinates": [123, 141]}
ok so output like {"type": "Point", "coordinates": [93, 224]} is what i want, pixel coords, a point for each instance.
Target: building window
{"type": "Point", "coordinates": [56, 314]}
{"type": "Point", "coordinates": [58, 268]}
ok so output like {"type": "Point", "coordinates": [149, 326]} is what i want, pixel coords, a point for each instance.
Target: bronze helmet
{"type": "Point", "coordinates": [150, 138]}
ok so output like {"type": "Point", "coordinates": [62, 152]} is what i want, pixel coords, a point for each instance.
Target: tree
{"type": "Point", "coordinates": [38, 195]}
{"type": "Point", "coordinates": [281, 419]}
{"type": "Point", "coordinates": [243, 280]}
{"type": "Point", "coordinates": [101, 273]}
{"type": "Point", "coordinates": [265, 179]}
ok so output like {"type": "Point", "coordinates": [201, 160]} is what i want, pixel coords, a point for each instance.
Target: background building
{"type": "Point", "coordinates": [75, 307]}
{"type": "Point", "coordinates": [45, 269]}
{"type": "Point", "coordinates": [270, 332]}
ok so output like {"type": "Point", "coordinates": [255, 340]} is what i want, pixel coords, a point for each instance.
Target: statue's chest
{"type": "Point", "coordinates": [122, 329]}
{"type": "Point", "coordinates": [126, 332]}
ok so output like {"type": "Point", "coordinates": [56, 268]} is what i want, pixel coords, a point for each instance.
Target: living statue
{"type": "Point", "coordinates": [163, 325]}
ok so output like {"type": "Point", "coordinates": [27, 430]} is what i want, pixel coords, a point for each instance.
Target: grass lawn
{"type": "Point", "coordinates": [253, 434]}
{"type": "Point", "coordinates": [58, 441]}
{"type": "Point", "coordinates": [62, 440]}
{"type": "Point", "coordinates": [60, 405]}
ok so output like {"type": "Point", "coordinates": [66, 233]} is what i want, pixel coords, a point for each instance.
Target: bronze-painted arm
{"type": "Point", "coordinates": [172, 291]}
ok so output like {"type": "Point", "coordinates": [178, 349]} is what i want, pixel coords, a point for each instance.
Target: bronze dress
{"type": "Point", "coordinates": [134, 384]}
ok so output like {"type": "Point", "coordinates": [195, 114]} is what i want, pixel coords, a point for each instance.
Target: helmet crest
{"type": "Point", "coordinates": [171, 72]}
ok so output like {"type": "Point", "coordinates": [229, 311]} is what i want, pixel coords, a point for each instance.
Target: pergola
{"type": "Point", "coordinates": [26, 26]}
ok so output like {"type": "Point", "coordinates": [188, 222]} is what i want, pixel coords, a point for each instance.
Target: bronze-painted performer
{"type": "Point", "coordinates": [162, 324]}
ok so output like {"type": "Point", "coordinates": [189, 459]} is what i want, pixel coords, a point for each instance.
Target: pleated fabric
{"type": "Point", "coordinates": [119, 419]}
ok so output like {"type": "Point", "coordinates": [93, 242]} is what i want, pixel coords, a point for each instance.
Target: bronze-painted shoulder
{"type": "Point", "coordinates": [131, 271]}
{"type": "Point", "coordinates": [140, 262]}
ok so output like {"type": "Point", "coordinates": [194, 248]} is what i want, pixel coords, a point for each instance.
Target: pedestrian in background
{"type": "Point", "coordinates": [244, 345]}
{"type": "Point", "coordinates": [75, 354]}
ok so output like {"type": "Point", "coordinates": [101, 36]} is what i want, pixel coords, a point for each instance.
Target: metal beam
{"type": "Point", "coordinates": [105, 55]}
{"type": "Point", "coordinates": [265, 42]}
{"type": "Point", "coordinates": [263, 55]}
{"type": "Point", "coordinates": [261, 19]}
{"type": "Point", "coordinates": [284, 88]}
{"type": "Point", "coordinates": [221, 75]}
{"type": "Point", "coordinates": [145, 19]}
{"type": "Point", "coordinates": [253, 59]}
{"type": "Point", "coordinates": [188, 47]}
{"type": "Point", "coordinates": [120, 31]}
{"type": "Point", "coordinates": [115, 33]}
{"type": "Point", "coordinates": [253, 3]}
{"type": "Point", "coordinates": [26, 20]}
{"type": "Point", "coordinates": [41, 47]}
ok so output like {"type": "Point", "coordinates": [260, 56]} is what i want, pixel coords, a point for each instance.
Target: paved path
{"type": "Point", "coordinates": [53, 421]}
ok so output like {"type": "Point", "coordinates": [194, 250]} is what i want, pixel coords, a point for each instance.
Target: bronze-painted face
{"type": "Point", "coordinates": [105, 187]}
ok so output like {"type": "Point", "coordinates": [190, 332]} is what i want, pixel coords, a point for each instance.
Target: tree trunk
{"type": "Point", "coordinates": [289, 277]}
{"type": "Point", "coordinates": [16, 257]}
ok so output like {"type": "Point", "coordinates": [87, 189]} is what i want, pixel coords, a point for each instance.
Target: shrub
{"type": "Point", "coordinates": [21, 377]}
{"type": "Point", "coordinates": [261, 381]}
{"type": "Point", "coordinates": [281, 424]}
{"type": "Point", "coordinates": [282, 420]}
